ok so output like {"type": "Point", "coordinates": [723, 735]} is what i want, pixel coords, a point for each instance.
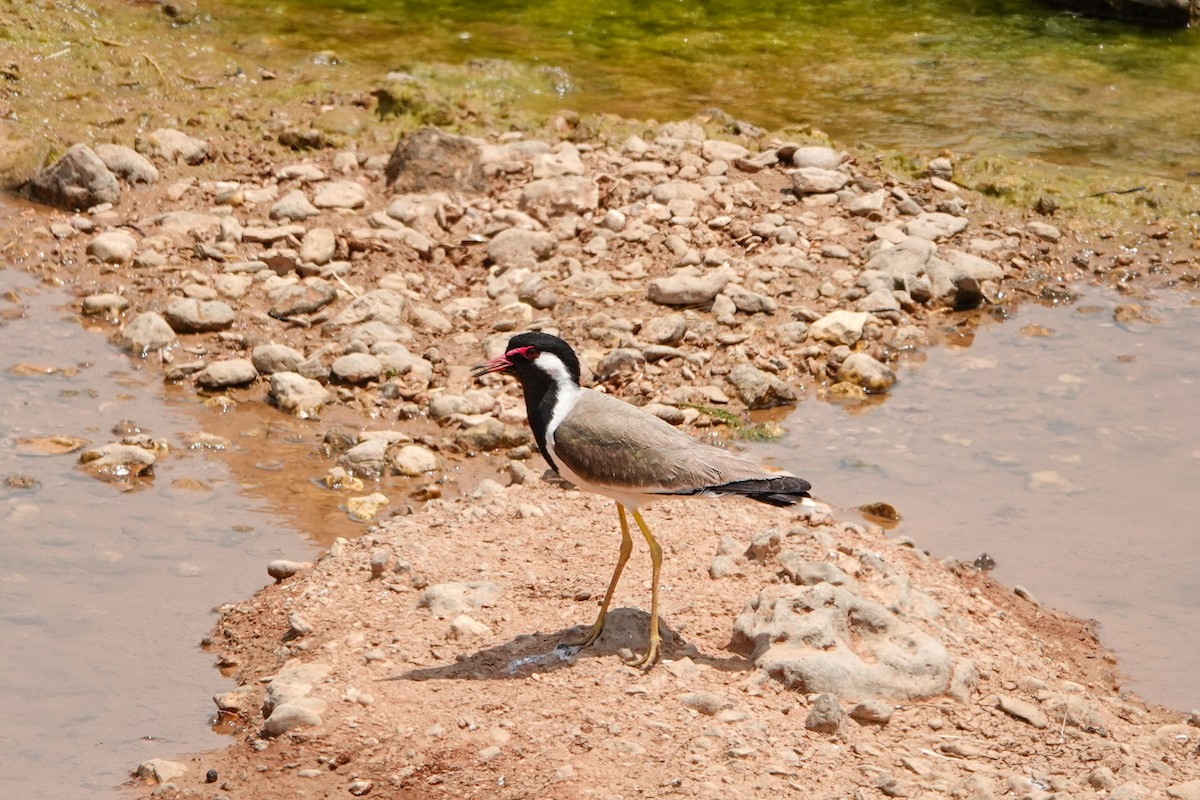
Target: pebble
{"type": "Point", "coordinates": [414, 460]}
{"type": "Point", "coordinates": [839, 327]}
{"type": "Point", "coordinates": [302, 712]}
{"type": "Point", "coordinates": [1022, 710]}
{"type": "Point", "coordinates": [452, 599]}
{"type": "Point", "coordinates": [293, 207]}
{"type": "Point", "coordinates": [668, 329]}
{"type": "Point", "coordinates": [297, 395]}
{"type": "Point", "coordinates": [341, 194]}
{"type": "Point", "coordinates": [935, 225]}
{"type": "Point", "coordinates": [1044, 231]}
{"type": "Point", "coordinates": [281, 569]}
{"type": "Point", "coordinates": [113, 247]}
{"type": "Point", "coordinates": [127, 164]}
{"type": "Point", "coordinates": [817, 180]}
{"type": "Point", "coordinates": [198, 316]}
{"type": "Point", "coordinates": [271, 358]}
{"type": "Point", "coordinates": [168, 144]}
{"type": "Point", "coordinates": [760, 389]}
{"type": "Point", "coordinates": [365, 509]}
{"type": "Point", "coordinates": [367, 459]}
{"type": "Point", "coordinates": [868, 372]}
{"type": "Point", "coordinates": [825, 715]}
{"type": "Point", "coordinates": [466, 627]}
{"type": "Point", "coordinates": [360, 787]}
{"type": "Point", "coordinates": [78, 180]}
{"type": "Point", "coordinates": [356, 368]}
{"type": "Point", "coordinates": [706, 703]}
{"type": "Point", "coordinates": [815, 156]}
{"type": "Point", "coordinates": [161, 771]}
{"type": "Point", "coordinates": [872, 711]}
{"type": "Point", "coordinates": [688, 287]}
{"type": "Point", "coordinates": [230, 372]}
{"type": "Point", "coordinates": [106, 303]}
{"type": "Point", "coordinates": [118, 461]}
{"type": "Point", "coordinates": [318, 246]}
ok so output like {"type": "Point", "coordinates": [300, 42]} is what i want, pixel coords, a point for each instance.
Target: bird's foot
{"type": "Point", "coordinates": [653, 652]}
{"type": "Point", "coordinates": [589, 639]}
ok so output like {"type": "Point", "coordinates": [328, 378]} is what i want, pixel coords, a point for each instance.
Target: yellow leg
{"type": "Point", "coordinates": [655, 641]}
{"type": "Point", "coordinates": [626, 549]}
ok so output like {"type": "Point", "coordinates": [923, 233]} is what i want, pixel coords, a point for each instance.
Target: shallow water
{"type": "Point", "coordinates": [106, 594]}
{"type": "Point", "coordinates": [1110, 411]}
{"type": "Point", "coordinates": [986, 77]}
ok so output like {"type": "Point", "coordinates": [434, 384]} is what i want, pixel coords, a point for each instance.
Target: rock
{"type": "Point", "coordinates": [717, 150]}
{"type": "Point", "coordinates": [116, 461]}
{"type": "Point", "coordinates": [281, 569]}
{"type": "Point", "coordinates": [934, 225]}
{"type": "Point", "coordinates": [380, 305]}
{"type": "Point", "coordinates": [803, 572]}
{"type": "Point", "coordinates": [298, 395]}
{"type": "Point", "coordinates": [816, 180]}
{"type": "Point", "coordinates": [875, 712]}
{"type": "Point", "coordinates": [366, 459]}
{"type": "Point", "coordinates": [360, 787]}
{"type": "Point", "coordinates": [428, 160]}
{"type": "Point", "coordinates": [491, 434]}
{"type": "Point", "coordinates": [839, 327]}
{"type": "Point", "coordinates": [707, 703]}
{"type": "Point", "coordinates": [565, 161]}
{"type": "Point", "coordinates": [365, 509]}
{"type": "Point", "coordinates": [127, 164]}
{"type": "Point", "coordinates": [113, 247]}
{"type": "Point", "coordinates": [1102, 778]}
{"type": "Point", "coordinates": [569, 194]}
{"type": "Point", "coordinates": [451, 599]}
{"type": "Point", "coordinates": [145, 332]}
{"type": "Point", "coordinates": [815, 156]}
{"type": "Point", "coordinates": [319, 246]}
{"type": "Point", "coordinates": [78, 180]}
{"type": "Point", "coordinates": [341, 194]}
{"type": "Point", "coordinates": [1185, 791]}
{"type": "Point", "coordinates": [230, 372]}
{"type": "Point", "coordinates": [198, 316]}
{"type": "Point", "coordinates": [759, 389]}
{"type": "Point", "coordinates": [22, 154]}
{"type": "Point", "coordinates": [271, 358]}
{"type": "Point", "coordinates": [295, 299]}
{"type": "Point", "coordinates": [356, 368]}
{"type": "Point", "coordinates": [513, 248]}
{"type": "Point", "coordinates": [413, 460]}
{"type": "Point", "coordinates": [688, 287]}
{"type": "Point", "coordinates": [172, 146]}
{"type": "Point", "coordinates": [466, 627]}
{"type": "Point", "coordinates": [825, 715]}
{"type": "Point", "coordinates": [864, 370]}
{"type": "Point", "coordinates": [106, 303]}
{"type": "Point", "coordinates": [825, 638]}
{"type": "Point", "coordinates": [1022, 710]}
{"type": "Point", "coordinates": [1044, 231]}
{"type": "Point", "coordinates": [303, 712]}
{"type": "Point", "coordinates": [297, 626]}
{"type": "Point", "coordinates": [668, 329]}
{"type": "Point", "coordinates": [294, 207]}
{"type": "Point", "coordinates": [160, 770]}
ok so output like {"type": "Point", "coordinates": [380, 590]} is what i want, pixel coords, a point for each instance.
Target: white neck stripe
{"type": "Point", "coordinates": [567, 390]}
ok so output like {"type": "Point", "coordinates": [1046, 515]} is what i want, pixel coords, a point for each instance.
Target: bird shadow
{"type": "Point", "coordinates": [624, 634]}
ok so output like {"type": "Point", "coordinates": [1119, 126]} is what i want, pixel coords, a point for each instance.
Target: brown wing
{"type": "Point", "coordinates": [610, 442]}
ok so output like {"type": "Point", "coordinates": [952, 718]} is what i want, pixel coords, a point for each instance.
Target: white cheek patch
{"type": "Point", "coordinates": [567, 391]}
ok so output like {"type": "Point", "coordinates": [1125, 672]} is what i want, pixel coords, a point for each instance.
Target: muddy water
{"type": "Point", "coordinates": [1063, 445]}
{"type": "Point", "coordinates": [105, 593]}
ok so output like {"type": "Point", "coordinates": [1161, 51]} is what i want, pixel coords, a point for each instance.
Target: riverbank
{"type": "Point", "coordinates": [289, 254]}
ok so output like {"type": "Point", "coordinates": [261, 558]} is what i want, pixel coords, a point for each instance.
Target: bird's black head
{"type": "Point", "coordinates": [533, 358]}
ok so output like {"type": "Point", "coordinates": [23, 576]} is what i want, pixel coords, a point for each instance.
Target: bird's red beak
{"type": "Point", "coordinates": [499, 364]}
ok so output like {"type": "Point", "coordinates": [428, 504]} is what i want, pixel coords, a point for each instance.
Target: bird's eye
{"type": "Point", "coordinates": [532, 352]}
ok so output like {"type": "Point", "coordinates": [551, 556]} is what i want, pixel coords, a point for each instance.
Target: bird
{"type": "Point", "coordinates": [607, 446]}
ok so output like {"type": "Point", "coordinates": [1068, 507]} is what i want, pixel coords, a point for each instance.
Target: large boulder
{"type": "Point", "coordinates": [76, 181]}
{"type": "Point", "coordinates": [429, 160]}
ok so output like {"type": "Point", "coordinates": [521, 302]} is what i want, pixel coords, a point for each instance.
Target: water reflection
{"type": "Point", "coordinates": [104, 594]}
{"type": "Point", "coordinates": [1065, 446]}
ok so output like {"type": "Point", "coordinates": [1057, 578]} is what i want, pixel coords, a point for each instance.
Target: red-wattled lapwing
{"type": "Point", "coordinates": [607, 446]}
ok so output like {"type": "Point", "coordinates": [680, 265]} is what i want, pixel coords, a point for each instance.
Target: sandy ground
{"type": "Point", "coordinates": [417, 705]}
